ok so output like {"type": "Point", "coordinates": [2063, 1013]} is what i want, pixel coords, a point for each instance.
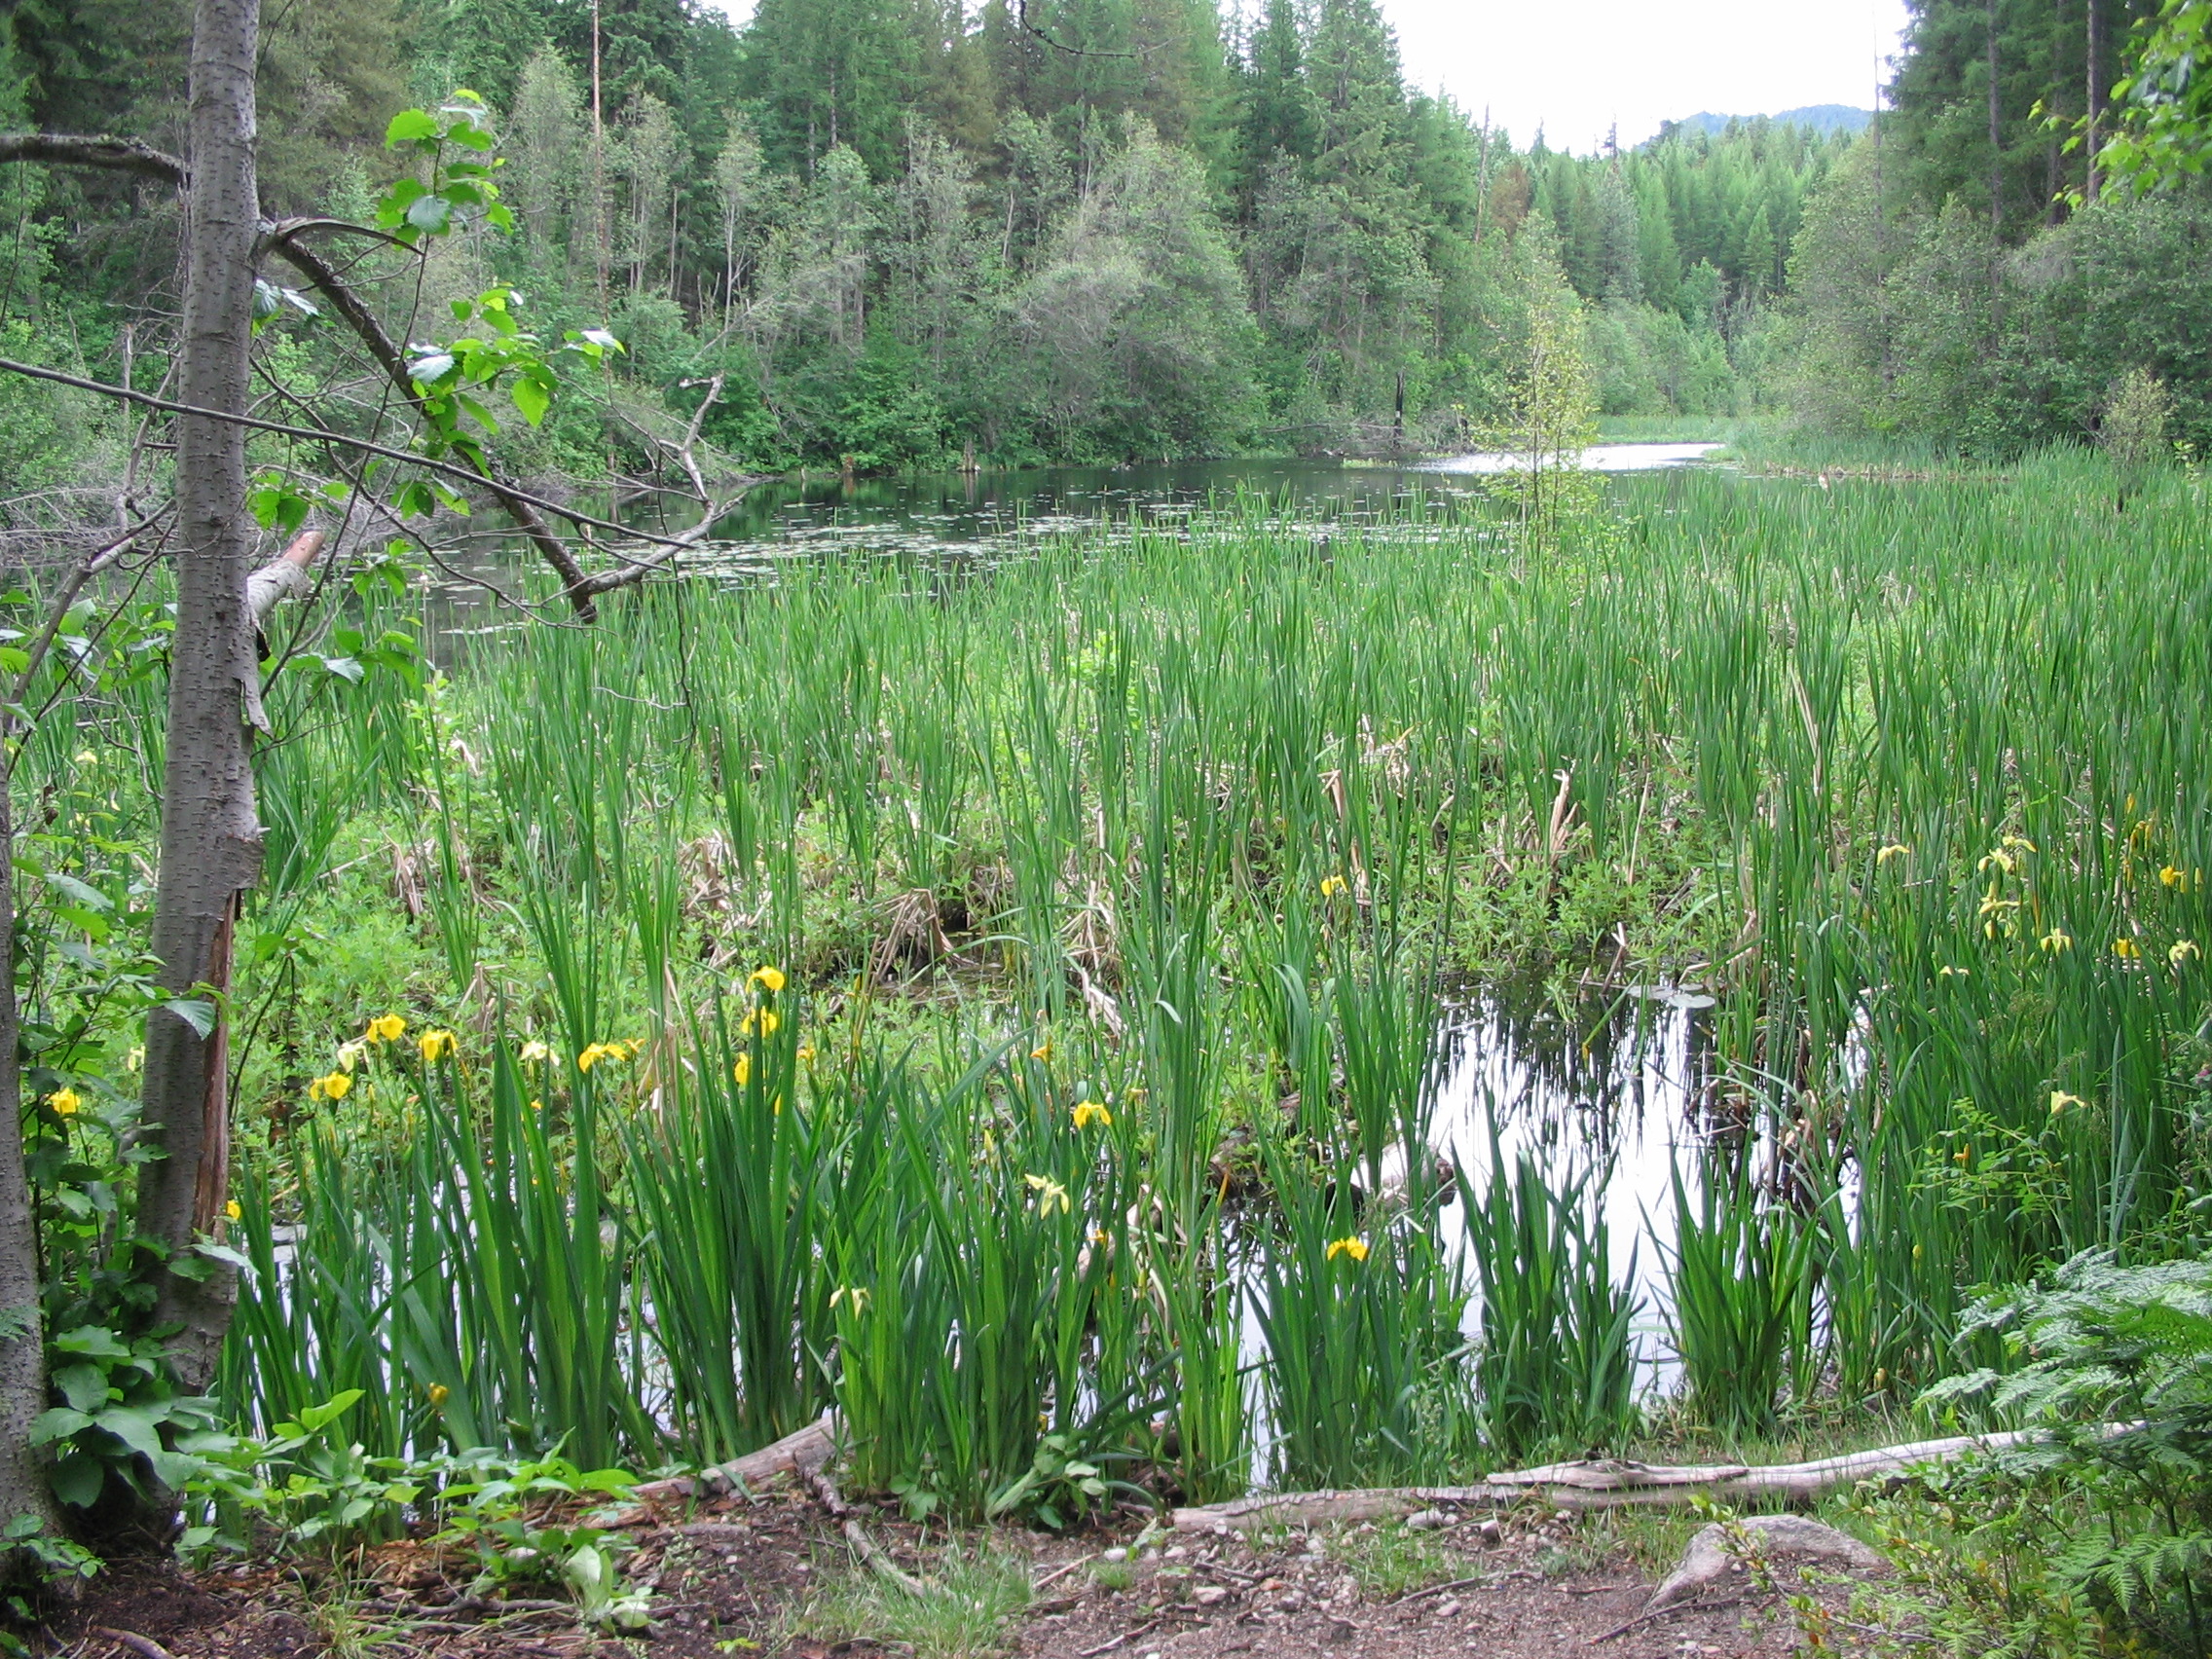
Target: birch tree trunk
{"type": "Point", "coordinates": [210, 835]}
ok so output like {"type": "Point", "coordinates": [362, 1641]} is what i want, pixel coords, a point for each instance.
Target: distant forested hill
{"type": "Point", "coordinates": [1823, 118]}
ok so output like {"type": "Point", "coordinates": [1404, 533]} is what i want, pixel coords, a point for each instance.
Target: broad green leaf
{"type": "Point", "coordinates": [58, 1423]}
{"type": "Point", "coordinates": [84, 1387]}
{"type": "Point", "coordinates": [430, 214]}
{"type": "Point", "coordinates": [90, 898]}
{"type": "Point", "coordinates": [410, 126]}
{"type": "Point", "coordinates": [78, 1480]}
{"type": "Point", "coordinates": [330, 1411]}
{"type": "Point", "coordinates": [196, 1011]}
{"type": "Point", "coordinates": [530, 398]}
{"type": "Point", "coordinates": [96, 1340]}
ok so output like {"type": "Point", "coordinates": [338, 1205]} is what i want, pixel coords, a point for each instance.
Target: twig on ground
{"type": "Point", "coordinates": [826, 1492]}
{"type": "Point", "coordinates": [1126, 1635]}
{"type": "Point", "coordinates": [1059, 1572]}
{"type": "Point", "coordinates": [1439, 1589]}
{"type": "Point", "coordinates": [1656, 1614]}
{"type": "Point", "coordinates": [145, 1647]}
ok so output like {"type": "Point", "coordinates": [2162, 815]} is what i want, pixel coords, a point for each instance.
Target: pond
{"type": "Point", "coordinates": [975, 519]}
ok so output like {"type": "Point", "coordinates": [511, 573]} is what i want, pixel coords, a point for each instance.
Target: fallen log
{"type": "Point", "coordinates": [802, 1452]}
{"type": "Point", "coordinates": [1597, 1483]}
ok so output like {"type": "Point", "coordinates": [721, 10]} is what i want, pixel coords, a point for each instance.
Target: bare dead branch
{"type": "Point", "coordinates": [113, 155]}
{"type": "Point", "coordinates": [100, 559]}
{"type": "Point", "coordinates": [286, 574]}
{"type": "Point", "coordinates": [310, 434]}
{"type": "Point", "coordinates": [1022, 12]}
{"type": "Point", "coordinates": [349, 306]}
{"type": "Point", "coordinates": [1602, 1484]}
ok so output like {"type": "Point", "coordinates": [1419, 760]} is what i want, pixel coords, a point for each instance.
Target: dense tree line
{"type": "Point", "coordinates": [901, 231]}
{"type": "Point", "coordinates": [1965, 276]}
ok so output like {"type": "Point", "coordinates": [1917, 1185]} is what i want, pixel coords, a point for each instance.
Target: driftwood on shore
{"type": "Point", "coordinates": [1606, 1484]}
{"type": "Point", "coordinates": [803, 1453]}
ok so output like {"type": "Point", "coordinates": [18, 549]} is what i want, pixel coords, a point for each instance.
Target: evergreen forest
{"type": "Point", "coordinates": [908, 233]}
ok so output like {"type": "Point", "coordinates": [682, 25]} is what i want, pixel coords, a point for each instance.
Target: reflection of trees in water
{"type": "Point", "coordinates": [1581, 1075]}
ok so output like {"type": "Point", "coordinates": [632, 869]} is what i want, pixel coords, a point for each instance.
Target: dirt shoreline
{"type": "Point", "coordinates": [767, 1576]}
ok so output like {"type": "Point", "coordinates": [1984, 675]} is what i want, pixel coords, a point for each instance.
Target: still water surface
{"type": "Point", "coordinates": [975, 520]}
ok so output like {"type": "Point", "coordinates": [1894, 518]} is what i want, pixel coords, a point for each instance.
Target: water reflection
{"type": "Point", "coordinates": [1614, 1091]}
{"type": "Point", "coordinates": [964, 522]}
{"type": "Point", "coordinates": [1599, 457]}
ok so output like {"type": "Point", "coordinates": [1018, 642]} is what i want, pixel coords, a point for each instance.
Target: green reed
{"type": "Point", "coordinates": [1740, 1296]}
{"type": "Point", "coordinates": [1554, 1367]}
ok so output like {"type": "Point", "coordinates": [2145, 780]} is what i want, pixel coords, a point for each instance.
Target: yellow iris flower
{"type": "Point", "coordinates": [1089, 1112]}
{"type": "Point", "coordinates": [387, 1028]}
{"type": "Point", "coordinates": [435, 1045]}
{"type": "Point", "coordinates": [770, 979]}
{"type": "Point", "coordinates": [1355, 1248]}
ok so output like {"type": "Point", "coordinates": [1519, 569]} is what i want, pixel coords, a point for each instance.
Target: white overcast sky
{"type": "Point", "coordinates": [1582, 65]}
{"type": "Point", "coordinates": [1579, 66]}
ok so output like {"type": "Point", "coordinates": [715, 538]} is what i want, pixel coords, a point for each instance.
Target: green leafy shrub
{"type": "Point", "coordinates": [2118, 1373]}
